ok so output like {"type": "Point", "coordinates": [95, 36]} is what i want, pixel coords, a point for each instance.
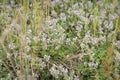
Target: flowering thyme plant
{"type": "Point", "coordinates": [59, 39]}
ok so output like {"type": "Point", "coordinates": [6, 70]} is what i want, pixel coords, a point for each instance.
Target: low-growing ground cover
{"type": "Point", "coordinates": [60, 40]}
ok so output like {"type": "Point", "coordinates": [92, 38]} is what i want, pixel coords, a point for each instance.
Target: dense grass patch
{"type": "Point", "coordinates": [60, 39]}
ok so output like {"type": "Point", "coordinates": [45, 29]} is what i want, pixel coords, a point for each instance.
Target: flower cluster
{"type": "Point", "coordinates": [60, 70]}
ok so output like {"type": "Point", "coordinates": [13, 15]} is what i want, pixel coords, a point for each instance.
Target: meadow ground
{"type": "Point", "coordinates": [59, 40]}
